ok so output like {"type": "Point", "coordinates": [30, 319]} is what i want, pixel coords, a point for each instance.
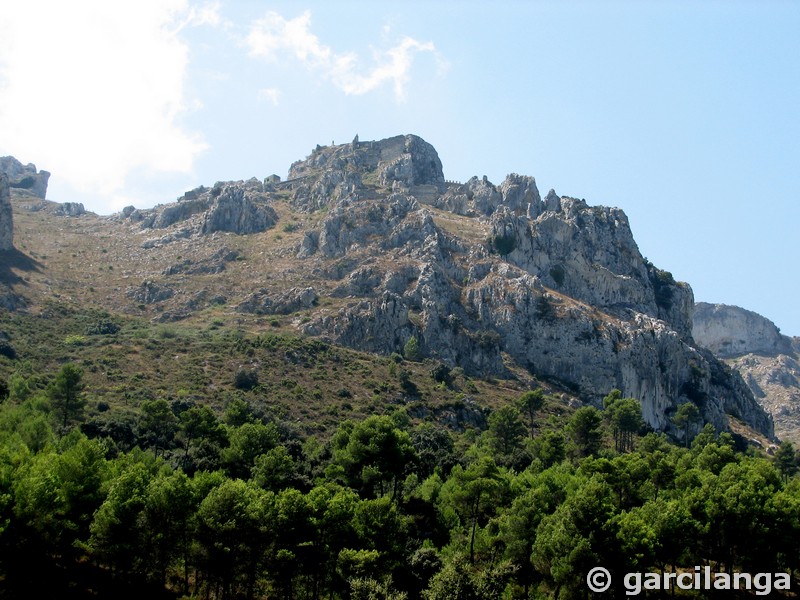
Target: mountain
{"type": "Point", "coordinates": [767, 360]}
{"type": "Point", "coordinates": [367, 246]}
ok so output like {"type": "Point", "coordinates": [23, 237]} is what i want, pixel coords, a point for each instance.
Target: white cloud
{"type": "Point", "coordinates": [206, 14]}
{"type": "Point", "coordinates": [273, 37]}
{"type": "Point", "coordinates": [395, 68]}
{"type": "Point", "coordinates": [93, 90]}
{"type": "Point", "coordinates": [272, 95]}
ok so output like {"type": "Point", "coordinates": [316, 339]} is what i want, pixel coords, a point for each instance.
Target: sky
{"type": "Point", "coordinates": [684, 114]}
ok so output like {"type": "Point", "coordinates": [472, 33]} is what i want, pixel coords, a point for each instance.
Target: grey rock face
{"type": "Point", "coordinates": [521, 195]}
{"type": "Point", "coordinates": [175, 213]}
{"type": "Point", "coordinates": [331, 186]}
{"type": "Point", "coordinates": [6, 216]}
{"type": "Point", "coordinates": [481, 197]}
{"type": "Point", "coordinates": [485, 197]}
{"type": "Point", "coordinates": [25, 177]}
{"type": "Point", "coordinates": [504, 310]}
{"type": "Point", "coordinates": [417, 163]}
{"type": "Point", "coordinates": [416, 160]}
{"type": "Point", "coordinates": [589, 254]}
{"type": "Point", "coordinates": [173, 236]}
{"type": "Point", "coordinates": [351, 223]}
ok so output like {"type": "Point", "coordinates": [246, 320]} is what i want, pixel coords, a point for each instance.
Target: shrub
{"type": "Point", "coordinates": [245, 379]}
{"type": "Point", "coordinates": [663, 283]}
{"type": "Point", "coordinates": [441, 374]}
{"type": "Point", "coordinates": [503, 244]}
{"type": "Point", "coordinates": [487, 339]}
{"type": "Point", "coordinates": [409, 387]}
{"type": "Point", "coordinates": [103, 327]}
{"type": "Point", "coordinates": [7, 350]}
{"type": "Point", "coordinates": [75, 340]}
{"type": "Point", "coordinates": [557, 273]}
{"type": "Point", "coordinates": [411, 349]}
{"type": "Point", "coordinates": [544, 309]}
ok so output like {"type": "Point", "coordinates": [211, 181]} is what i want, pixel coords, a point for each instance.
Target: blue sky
{"type": "Point", "coordinates": [684, 114]}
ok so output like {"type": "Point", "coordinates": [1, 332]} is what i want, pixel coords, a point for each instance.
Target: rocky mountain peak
{"type": "Point", "coordinates": [406, 159]}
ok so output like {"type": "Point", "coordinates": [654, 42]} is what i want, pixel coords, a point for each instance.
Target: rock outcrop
{"type": "Point", "coordinates": [767, 360]}
{"type": "Point", "coordinates": [233, 210]}
{"type": "Point", "coordinates": [150, 292]}
{"type": "Point", "coordinates": [25, 177]}
{"type": "Point", "coordinates": [292, 300]}
{"type": "Point", "coordinates": [204, 266]}
{"type": "Point", "coordinates": [237, 207]}
{"type": "Point", "coordinates": [70, 209]}
{"type": "Point", "coordinates": [6, 216]}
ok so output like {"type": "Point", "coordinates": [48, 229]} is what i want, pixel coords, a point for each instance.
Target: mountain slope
{"type": "Point", "coordinates": [366, 245]}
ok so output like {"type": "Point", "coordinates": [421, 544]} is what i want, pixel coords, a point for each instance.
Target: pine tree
{"type": "Point", "coordinates": [65, 394]}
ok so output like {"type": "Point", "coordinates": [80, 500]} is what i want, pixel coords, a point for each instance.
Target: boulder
{"type": "Point", "coordinates": [70, 209]}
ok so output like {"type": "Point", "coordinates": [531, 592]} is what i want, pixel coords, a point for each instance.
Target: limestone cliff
{"type": "Point", "coordinates": [25, 177]}
{"type": "Point", "coordinates": [766, 359]}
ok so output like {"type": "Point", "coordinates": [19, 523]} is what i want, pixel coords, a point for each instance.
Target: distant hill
{"type": "Point", "coordinates": [766, 359]}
